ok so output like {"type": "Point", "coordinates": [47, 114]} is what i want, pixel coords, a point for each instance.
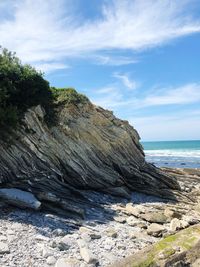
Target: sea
{"type": "Point", "coordinates": [176, 154]}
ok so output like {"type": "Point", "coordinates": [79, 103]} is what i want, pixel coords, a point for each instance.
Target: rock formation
{"type": "Point", "coordinates": [87, 148]}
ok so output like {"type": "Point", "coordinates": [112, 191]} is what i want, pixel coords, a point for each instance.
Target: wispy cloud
{"type": "Point", "coordinates": [124, 78]}
{"type": "Point", "coordinates": [186, 94]}
{"type": "Point", "coordinates": [107, 97]}
{"type": "Point", "coordinates": [54, 31]}
{"type": "Point", "coordinates": [114, 60]}
{"type": "Point", "coordinates": [49, 67]}
{"type": "Point", "coordinates": [189, 93]}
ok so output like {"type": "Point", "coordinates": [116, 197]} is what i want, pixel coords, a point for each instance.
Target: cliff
{"type": "Point", "coordinates": [87, 148]}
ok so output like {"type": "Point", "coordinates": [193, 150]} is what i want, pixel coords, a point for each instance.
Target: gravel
{"type": "Point", "coordinates": [33, 238]}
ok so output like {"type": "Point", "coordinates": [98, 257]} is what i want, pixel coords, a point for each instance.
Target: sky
{"type": "Point", "coordinates": [139, 58]}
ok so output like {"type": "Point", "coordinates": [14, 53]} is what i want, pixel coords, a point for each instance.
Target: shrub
{"type": "Point", "coordinates": [68, 96]}
{"type": "Point", "coordinates": [8, 117]}
{"type": "Point", "coordinates": [21, 87]}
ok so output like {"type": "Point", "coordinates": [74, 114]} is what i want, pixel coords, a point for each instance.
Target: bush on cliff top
{"type": "Point", "coordinates": [68, 96]}
{"type": "Point", "coordinates": [22, 86]}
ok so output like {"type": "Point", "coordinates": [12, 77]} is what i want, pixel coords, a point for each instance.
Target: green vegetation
{"type": "Point", "coordinates": [68, 96]}
{"type": "Point", "coordinates": [22, 86]}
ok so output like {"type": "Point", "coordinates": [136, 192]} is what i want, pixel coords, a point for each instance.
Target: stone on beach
{"type": "Point", "coordinates": [154, 217]}
{"type": "Point", "coordinates": [19, 198]}
{"type": "Point", "coordinates": [171, 213]}
{"type": "Point", "coordinates": [67, 262]}
{"type": "Point", "coordinates": [133, 210]}
{"type": "Point", "coordinates": [91, 233]}
{"type": "Point", "coordinates": [4, 248]}
{"type": "Point", "coordinates": [111, 232]}
{"type": "Point", "coordinates": [51, 260]}
{"type": "Point", "coordinates": [119, 219]}
{"type": "Point", "coordinates": [175, 224]}
{"type": "Point", "coordinates": [155, 230]}
{"type": "Point", "coordinates": [86, 253]}
{"type": "Point", "coordinates": [132, 221]}
{"type": "Point", "coordinates": [46, 252]}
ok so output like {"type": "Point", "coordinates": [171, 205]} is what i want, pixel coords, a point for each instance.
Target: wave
{"type": "Point", "coordinates": [173, 153]}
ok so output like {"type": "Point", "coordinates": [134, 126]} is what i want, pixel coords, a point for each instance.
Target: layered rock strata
{"type": "Point", "coordinates": [87, 148]}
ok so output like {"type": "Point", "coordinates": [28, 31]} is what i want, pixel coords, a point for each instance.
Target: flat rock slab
{"type": "Point", "coordinates": [154, 217]}
{"type": "Point", "coordinates": [19, 198]}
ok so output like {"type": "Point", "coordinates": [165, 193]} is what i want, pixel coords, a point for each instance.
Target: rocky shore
{"type": "Point", "coordinates": [109, 232]}
{"type": "Point", "coordinates": [113, 229]}
{"type": "Point", "coordinates": [91, 198]}
{"type": "Point", "coordinates": [76, 189]}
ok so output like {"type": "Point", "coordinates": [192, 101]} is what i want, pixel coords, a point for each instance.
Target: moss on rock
{"type": "Point", "coordinates": [151, 256]}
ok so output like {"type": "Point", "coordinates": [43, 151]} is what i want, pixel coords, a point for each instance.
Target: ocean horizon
{"type": "Point", "coordinates": [176, 154]}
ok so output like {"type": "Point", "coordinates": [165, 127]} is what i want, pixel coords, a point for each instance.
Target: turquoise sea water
{"type": "Point", "coordinates": [180, 154]}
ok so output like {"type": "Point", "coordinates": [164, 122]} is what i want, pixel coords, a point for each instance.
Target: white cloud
{"type": "Point", "coordinates": [178, 126]}
{"type": "Point", "coordinates": [130, 84]}
{"type": "Point", "coordinates": [186, 94]}
{"type": "Point", "coordinates": [51, 66]}
{"type": "Point", "coordinates": [52, 31]}
{"type": "Point", "coordinates": [165, 126]}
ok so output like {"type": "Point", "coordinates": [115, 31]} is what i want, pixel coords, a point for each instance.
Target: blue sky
{"type": "Point", "coordinates": [139, 58]}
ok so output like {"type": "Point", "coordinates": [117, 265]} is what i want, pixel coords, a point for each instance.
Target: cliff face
{"type": "Point", "coordinates": [89, 148]}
